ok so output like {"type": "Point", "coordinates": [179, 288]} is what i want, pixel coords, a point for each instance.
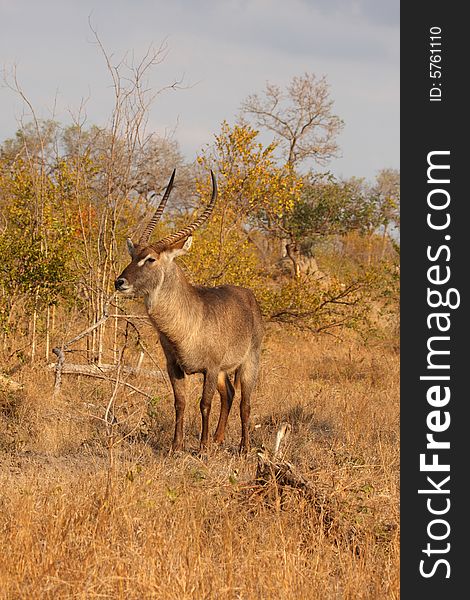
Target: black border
{"type": "Point", "coordinates": [427, 126]}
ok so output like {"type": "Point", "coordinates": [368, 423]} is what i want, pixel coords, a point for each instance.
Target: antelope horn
{"type": "Point", "coordinates": [169, 240]}
{"type": "Point", "coordinates": [144, 238]}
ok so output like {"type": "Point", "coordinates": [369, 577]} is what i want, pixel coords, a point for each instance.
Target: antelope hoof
{"type": "Point", "coordinates": [204, 449]}
{"type": "Point", "coordinates": [244, 448]}
{"type": "Point", "coordinates": [176, 447]}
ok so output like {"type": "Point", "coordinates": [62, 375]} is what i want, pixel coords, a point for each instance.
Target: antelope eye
{"type": "Point", "coordinates": [150, 259]}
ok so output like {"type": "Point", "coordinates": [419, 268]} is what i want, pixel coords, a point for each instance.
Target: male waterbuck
{"type": "Point", "coordinates": [211, 330]}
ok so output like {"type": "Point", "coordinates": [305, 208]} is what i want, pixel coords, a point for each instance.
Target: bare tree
{"type": "Point", "coordinates": [304, 126]}
{"type": "Point", "coordinates": [300, 117]}
{"type": "Point", "coordinates": [126, 140]}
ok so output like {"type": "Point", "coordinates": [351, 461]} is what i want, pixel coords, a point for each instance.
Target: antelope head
{"type": "Point", "coordinates": [150, 263]}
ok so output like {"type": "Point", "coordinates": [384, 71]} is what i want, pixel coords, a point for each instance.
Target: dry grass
{"type": "Point", "coordinates": [156, 526]}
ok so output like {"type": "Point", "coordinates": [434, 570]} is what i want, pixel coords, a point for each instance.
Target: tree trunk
{"type": "Point", "coordinates": [293, 254]}
{"type": "Point", "coordinates": [33, 334]}
{"type": "Point", "coordinates": [369, 248]}
{"type": "Point", "coordinates": [115, 333]}
{"type": "Point", "coordinates": [384, 242]}
{"type": "Point", "coordinates": [48, 332]}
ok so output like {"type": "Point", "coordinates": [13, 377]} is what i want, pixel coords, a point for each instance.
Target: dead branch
{"type": "Point", "coordinates": [103, 369]}
{"type": "Point", "coordinates": [272, 467]}
{"type": "Point", "coordinates": [60, 351]}
{"type": "Point", "coordinates": [89, 371]}
{"type": "Point", "coordinates": [281, 436]}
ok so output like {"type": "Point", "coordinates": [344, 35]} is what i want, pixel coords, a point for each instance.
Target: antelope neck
{"type": "Point", "coordinates": [173, 306]}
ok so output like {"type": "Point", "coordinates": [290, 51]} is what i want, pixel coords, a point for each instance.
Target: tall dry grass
{"type": "Point", "coordinates": [185, 527]}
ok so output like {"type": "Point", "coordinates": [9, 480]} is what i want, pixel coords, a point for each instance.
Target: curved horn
{"type": "Point", "coordinates": [186, 231]}
{"type": "Point", "coordinates": [144, 238]}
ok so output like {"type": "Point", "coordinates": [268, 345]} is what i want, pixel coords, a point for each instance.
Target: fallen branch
{"type": "Point", "coordinates": [60, 351]}
{"type": "Point", "coordinates": [272, 467]}
{"type": "Point", "coordinates": [94, 369]}
{"type": "Point", "coordinates": [91, 371]}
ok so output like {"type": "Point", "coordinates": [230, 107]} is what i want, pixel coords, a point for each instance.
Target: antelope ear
{"type": "Point", "coordinates": [130, 247]}
{"type": "Point", "coordinates": [187, 244]}
{"type": "Point", "coordinates": [179, 248]}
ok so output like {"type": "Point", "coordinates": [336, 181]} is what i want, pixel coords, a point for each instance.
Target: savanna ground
{"type": "Point", "coordinates": [88, 512]}
{"type": "Point", "coordinates": [91, 503]}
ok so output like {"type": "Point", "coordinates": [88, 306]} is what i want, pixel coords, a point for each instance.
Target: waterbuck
{"type": "Point", "coordinates": [211, 330]}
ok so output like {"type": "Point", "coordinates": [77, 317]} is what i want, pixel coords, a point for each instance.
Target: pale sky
{"type": "Point", "coordinates": [224, 50]}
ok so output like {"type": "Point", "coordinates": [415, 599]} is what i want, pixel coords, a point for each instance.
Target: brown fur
{"type": "Point", "coordinates": [211, 330]}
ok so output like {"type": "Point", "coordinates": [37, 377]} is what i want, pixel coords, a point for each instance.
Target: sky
{"type": "Point", "coordinates": [222, 50]}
